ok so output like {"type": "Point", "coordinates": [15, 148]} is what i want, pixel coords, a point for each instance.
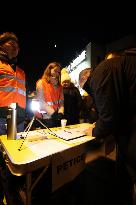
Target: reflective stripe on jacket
{"type": "Point", "coordinates": [12, 86]}
{"type": "Point", "coordinates": [53, 96]}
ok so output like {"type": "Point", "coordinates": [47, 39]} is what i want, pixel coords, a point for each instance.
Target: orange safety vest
{"type": "Point", "coordinates": [12, 86]}
{"type": "Point", "coordinates": [53, 96]}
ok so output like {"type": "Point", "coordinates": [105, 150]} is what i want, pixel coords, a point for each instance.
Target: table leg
{"type": "Point", "coordinates": [28, 188]}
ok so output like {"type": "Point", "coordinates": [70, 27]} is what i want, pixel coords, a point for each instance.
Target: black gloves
{"type": "Point", "coordinates": [54, 115]}
{"type": "Point", "coordinates": [57, 116]}
{"type": "Point", "coordinates": [60, 116]}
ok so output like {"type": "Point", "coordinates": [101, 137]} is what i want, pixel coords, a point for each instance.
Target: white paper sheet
{"type": "Point", "coordinates": [70, 133]}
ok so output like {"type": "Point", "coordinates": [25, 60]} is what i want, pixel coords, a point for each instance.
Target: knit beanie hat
{"type": "Point", "coordinates": [8, 36]}
{"type": "Point", "coordinates": [65, 76]}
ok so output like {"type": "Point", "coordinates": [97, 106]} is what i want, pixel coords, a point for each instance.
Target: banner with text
{"type": "Point", "coordinates": [67, 165]}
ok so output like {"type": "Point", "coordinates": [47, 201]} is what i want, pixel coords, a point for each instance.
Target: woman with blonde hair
{"type": "Point", "coordinates": [50, 95]}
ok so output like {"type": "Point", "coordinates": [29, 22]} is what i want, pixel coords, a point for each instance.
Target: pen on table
{"type": "Point", "coordinates": [67, 131]}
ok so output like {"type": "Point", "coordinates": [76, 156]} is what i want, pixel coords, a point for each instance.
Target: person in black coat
{"type": "Point", "coordinates": [88, 112]}
{"type": "Point", "coordinates": [113, 85]}
{"type": "Point", "coordinates": [72, 100]}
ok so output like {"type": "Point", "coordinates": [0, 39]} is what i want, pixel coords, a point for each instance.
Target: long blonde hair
{"type": "Point", "coordinates": [47, 71]}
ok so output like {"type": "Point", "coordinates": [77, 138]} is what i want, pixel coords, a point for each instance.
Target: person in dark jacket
{"type": "Point", "coordinates": [72, 100]}
{"type": "Point", "coordinates": [113, 86]}
{"type": "Point", "coordinates": [88, 112]}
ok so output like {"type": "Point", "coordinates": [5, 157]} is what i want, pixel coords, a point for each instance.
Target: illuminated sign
{"type": "Point", "coordinates": [78, 60]}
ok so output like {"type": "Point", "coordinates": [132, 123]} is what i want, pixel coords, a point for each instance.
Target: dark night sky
{"type": "Point", "coordinates": [71, 34]}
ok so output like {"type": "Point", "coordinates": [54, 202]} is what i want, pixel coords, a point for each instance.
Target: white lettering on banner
{"type": "Point", "coordinates": [66, 165]}
{"type": "Point", "coordinates": [79, 59]}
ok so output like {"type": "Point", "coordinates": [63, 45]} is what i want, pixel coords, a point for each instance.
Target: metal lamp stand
{"type": "Point", "coordinates": [27, 129]}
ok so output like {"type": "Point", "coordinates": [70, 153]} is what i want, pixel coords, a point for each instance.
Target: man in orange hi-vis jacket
{"type": "Point", "coordinates": [12, 81]}
{"type": "Point", "coordinates": [12, 89]}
